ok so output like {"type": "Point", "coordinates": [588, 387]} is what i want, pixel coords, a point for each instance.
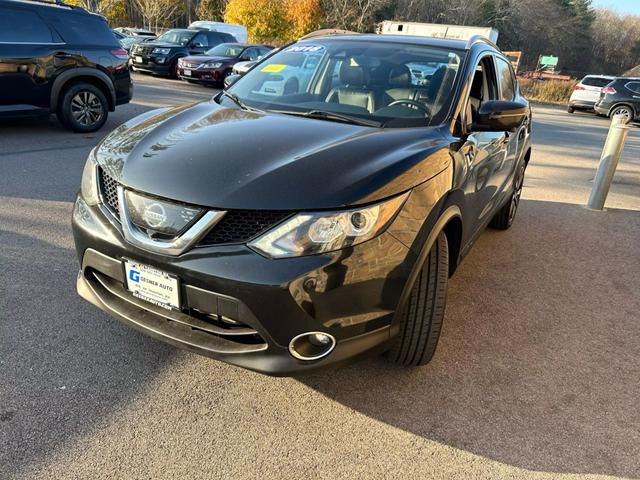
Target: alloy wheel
{"type": "Point", "coordinates": [86, 108]}
{"type": "Point", "coordinates": [623, 112]}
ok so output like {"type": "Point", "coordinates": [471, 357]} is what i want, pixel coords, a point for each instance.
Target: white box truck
{"type": "Point", "coordinates": [456, 32]}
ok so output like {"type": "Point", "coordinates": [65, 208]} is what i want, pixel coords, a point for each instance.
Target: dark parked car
{"type": "Point", "coordinates": [216, 64]}
{"type": "Point", "coordinates": [620, 97]}
{"type": "Point", "coordinates": [56, 58]}
{"type": "Point", "coordinates": [161, 55]}
{"type": "Point", "coordinates": [312, 212]}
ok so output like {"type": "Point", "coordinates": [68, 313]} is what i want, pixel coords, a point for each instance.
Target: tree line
{"type": "Point", "coordinates": [586, 39]}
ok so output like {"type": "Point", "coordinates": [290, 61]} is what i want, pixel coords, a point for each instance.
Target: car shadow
{"type": "Point", "coordinates": [64, 364]}
{"type": "Point", "coordinates": [537, 366]}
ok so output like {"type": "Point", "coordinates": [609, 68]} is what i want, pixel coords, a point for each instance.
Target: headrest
{"type": "Point", "coordinates": [400, 77]}
{"type": "Point", "coordinates": [352, 74]}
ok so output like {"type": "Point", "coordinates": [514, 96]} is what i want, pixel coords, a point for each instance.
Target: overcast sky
{"type": "Point", "coordinates": [622, 6]}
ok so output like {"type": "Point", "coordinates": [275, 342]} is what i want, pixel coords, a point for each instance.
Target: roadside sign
{"type": "Point", "coordinates": [548, 61]}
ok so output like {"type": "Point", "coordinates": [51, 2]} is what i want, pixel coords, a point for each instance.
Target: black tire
{"type": "Point", "coordinates": [504, 218]}
{"type": "Point", "coordinates": [571, 110]}
{"type": "Point", "coordinates": [83, 108]}
{"type": "Point", "coordinates": [420, 320]}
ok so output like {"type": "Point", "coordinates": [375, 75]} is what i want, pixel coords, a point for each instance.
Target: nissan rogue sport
{"type": "Point", "coordinates": [292, 228]}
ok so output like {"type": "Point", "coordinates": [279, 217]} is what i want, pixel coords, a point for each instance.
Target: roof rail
{"type": "Point", "coordinates": [327, 32]}
{"type": "Point", "coordinates": [477, 39]}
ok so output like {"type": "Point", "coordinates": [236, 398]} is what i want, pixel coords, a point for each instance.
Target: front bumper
{"type": "Point", "coordinates": [158, 64]}
{"type": "Point", "coordinates": [351, 294]}
{"type": "Point", "coordinates": [201, 75]}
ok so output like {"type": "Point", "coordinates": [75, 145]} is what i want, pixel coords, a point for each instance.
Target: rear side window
{"type": "Point", "coordinates": [596, 81]}
{"type": "Point", "coordinates": [634, 87]}
{"type": "Point", "coordinates": [22, 26]}
{"type": "Point", "coordinates": [81, 28]}
{"type": "Point", "coordinates": [505, 79]}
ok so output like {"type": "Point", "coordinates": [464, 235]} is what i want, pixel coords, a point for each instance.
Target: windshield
{"type": "Point", "coordinates": [226, 50]}
{"type": "Point", "coordinates": [393, 84]}
{"type": "Point", "coordinates": [179, 37]}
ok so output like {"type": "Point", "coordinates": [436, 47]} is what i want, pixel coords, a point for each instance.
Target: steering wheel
{"type": "Point", "coordinates": [412, 104]}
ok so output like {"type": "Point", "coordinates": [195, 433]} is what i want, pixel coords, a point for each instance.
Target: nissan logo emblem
{"type": "Point", "coordinates": [154, 215]}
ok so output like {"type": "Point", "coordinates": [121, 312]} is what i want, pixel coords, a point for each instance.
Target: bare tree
{"type": "Point", "coordinates": [357, 15]}
{"type": "Point", "coordinates": [153, 11]}
{"type": "Point", "coordinates": [96, 6]}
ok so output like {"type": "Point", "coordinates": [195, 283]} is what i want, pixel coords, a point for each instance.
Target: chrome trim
{"type": "Point", "coordinates": [295, 354]}
{"type": "Point", "coordinates": [174, 247]}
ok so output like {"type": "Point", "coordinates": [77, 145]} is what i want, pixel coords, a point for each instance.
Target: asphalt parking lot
{"type": "Point", "coordinates": [536, 375]}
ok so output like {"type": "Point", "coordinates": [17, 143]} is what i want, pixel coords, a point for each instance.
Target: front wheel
{"type": "Point", "coordinates": [420, 320]}
{"type": "Point", "coordinates": [570, 109]}
{"type": "Point", "coordinates": [83, 108]}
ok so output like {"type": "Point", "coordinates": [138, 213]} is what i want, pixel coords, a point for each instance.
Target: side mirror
{"type": "Point", "coordinates": [499, 116]}
{"type": "Point", "coordinates": [244, 59]}
{"type": "Point", "coordinates": [197, 45]}
{"type": "Point", "coordinates": [230, 80]}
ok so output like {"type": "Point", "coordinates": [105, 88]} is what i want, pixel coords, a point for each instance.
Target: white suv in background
{"type": "Point", "coordinates": [587, 92]}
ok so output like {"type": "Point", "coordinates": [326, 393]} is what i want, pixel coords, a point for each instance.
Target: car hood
{"type": "Point", "coordinates": [153, 43]}
{"type": "Point", "coordinates": [210, 155]}
{"type": "Point", "coordinates": [206, 58]}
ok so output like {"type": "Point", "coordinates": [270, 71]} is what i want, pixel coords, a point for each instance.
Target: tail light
{"type": "Point", "coordinates": [609, 90]}
{"type": "Point", "coordinates": [120, 53]}
{"type": "Point", "coordinates": [579, 87]}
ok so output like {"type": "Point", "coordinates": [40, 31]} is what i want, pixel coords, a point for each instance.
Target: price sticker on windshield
{"type": "Point", "coordinates": [273, 68]}
{"type": "Point", "coordinates": [305, 48]}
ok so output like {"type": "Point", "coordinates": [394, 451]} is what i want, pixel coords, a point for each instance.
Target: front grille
{"type": "Point", "coordinates": [237, 226]}
{"type": "Point", "coordinates": [109, 191]}
{"type": "Point", "coordinates": [240, 226]}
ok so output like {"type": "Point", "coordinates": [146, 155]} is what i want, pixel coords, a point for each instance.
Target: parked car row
{"type": "Point", "coordinates": [608, 96]}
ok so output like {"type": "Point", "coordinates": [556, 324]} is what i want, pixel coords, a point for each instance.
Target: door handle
{"type": "Point", "coordinates": [63, 55]}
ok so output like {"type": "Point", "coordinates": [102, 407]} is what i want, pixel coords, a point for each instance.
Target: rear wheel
{"type": "Point", "coordinates": [505, 216]}
{"type": "Point", "coordinates": [623, 111]}
{"type": "Point", "coordinates": [83, 108]}
{"type": "Point", "coordinates": [571, 109]}
{"type": "Point", "coordinates": [420, 320]}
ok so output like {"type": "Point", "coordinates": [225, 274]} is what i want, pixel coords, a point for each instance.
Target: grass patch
{"type": "Point", "coordinates": [550, 91]}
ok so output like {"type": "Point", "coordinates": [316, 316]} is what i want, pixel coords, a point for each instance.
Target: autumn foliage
{"type": "Point", "coordinates": [269, 20]}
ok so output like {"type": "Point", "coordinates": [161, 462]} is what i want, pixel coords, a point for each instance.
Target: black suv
{"type": "Point", "coordinates": [313, 211]}
{"type": "Point", "coordinates": [620, 97]}
{"type": "Point", "coordinates": [161, 55]}
{"type": "Point", "coordinates": [57, 58]}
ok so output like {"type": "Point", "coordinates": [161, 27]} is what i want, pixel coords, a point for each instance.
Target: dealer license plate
{"type": "Point", "coordinates": [187, 73]}
{"type": "Point", "coordinates": [138, 59]}
{"type": "Point", "coordinates": [152, 285]}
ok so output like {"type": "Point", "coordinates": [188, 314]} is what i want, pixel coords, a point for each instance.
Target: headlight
{"type": "Point", "coordinates": [320, 232]}
{"type": "Point", "coordinates": [89, 183]}
{"type": "Point", "coordinates": [212, 65]}
{"type": "Point", "coordinates": [162, 51]}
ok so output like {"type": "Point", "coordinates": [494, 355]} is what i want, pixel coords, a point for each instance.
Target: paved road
{"type": "Point", "coordinates": [536, 375]}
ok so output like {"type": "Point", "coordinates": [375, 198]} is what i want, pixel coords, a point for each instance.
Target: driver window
{"type": "Point", "coordinates": [202, 39]}
{"type": "Point", "coordinates": [483, 88]}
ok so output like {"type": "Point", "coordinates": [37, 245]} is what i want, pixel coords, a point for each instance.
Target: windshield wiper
{"type": "Point", "coordinates": [332, 116]}
{"type": "Point", "coordinates": [238, 102]}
